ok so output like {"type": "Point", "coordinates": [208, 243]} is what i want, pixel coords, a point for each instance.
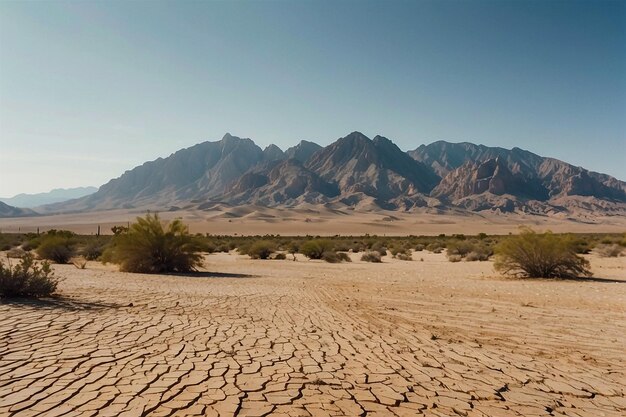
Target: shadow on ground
{"type": "Point", "coordinates": [57, 303]}
{"type": "Point", "coordinates": [208, 274]}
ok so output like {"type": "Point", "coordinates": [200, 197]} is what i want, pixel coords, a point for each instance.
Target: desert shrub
{"type": "Point", "coordinates": [468, 250]}
{"type": "Point", "coordinates": [148, 247]}
{"type": "Point", "coordinates": [314, 249]}
{"type": "Point", "coordinates": [16, 253]}
{"type": "Point", "coordinates": [538, 255]}
{"type": "Point", "coordinates": [335, 257]}
{"type": "Point", "coordinates": [459, 247]}
{"type": "Point", "coordinates": [371, 256]}
{"type": "Point", "coordinates": [419, 247]}
{"type": "Point", "coordinates": [344, 257]}
{"type": "Point", "coordinates": [610, 251]}
{"type": "Point", "coordinates": [404, 256]}
{"type": "Point", "coordinates": [57, 248]}
{"type": "Point", "coordinates": [9, 241]}
{"type": "Point", "coordinates": [207, 246]}
{"type": "Point", "coordinates": [436, 246]}
{"type": "Point", "coordinates": [280, 256]}
{"type": "Point", "coordinates": [477, 256]}
{"type": "Point", "coordinates": [580, 244]}
{"type": "Point", "coordinates": [455, 258]}
{"type": "Point", "coordinates": [27, 279]}
{"type": "Point", "coordinates": [31, 244]}
{"type": "Point", "coordinates": [93, 249]}
{"type": "Point", "coordinates": [331, 257]}
{"type": "Point", "coordinates": [380, 248]}
{"type": "Point", "coordinates": [261, 249]}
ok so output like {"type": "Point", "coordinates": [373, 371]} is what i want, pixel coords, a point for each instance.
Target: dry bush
{"type": "Point", "coordinates": [540, 255]}
{"type": "Point", "coordinates": [335, 257]}
{"type": "Point", "coordinates": [93, 249]}
{"type": "Point", "coordinates": [455, 258]}
{"type": "Point", "coordinates": [147, 247]}
{"type": "Point", "coordinates": [27, 279]}
{"type": "Point", "coordinates": [610, 251]}
{"type": "Point", "coordinates": [404, 256]}
{"type": "Point", "coordinates": [371, 256]}
{"type": "Point", "coordinates": [280, 256]}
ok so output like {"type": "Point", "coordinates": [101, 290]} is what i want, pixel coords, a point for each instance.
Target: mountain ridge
{"type": "Point", "coordinates": [356, 171]}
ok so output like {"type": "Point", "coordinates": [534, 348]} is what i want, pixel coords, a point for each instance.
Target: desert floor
{"type": "Point", "coordinates": [309, 338]}
{"type": "Point", "coordinates": [324, 221]}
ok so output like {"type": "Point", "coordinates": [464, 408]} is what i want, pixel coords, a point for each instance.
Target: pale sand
{"type": "Point", "coordinates": [309, 338]}
{"type": "Point", "coordinates": [320, 221]}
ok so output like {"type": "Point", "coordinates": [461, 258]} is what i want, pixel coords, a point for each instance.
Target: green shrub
{"type": "Point", "coordinates": [27, 279]}
{"type": "Point", "coordinates": [93, 249]}
{"type": "Point", "coordinates": [148, 247]}
{"type": "Point", "coordinates": [419, 247]}
{"type": "Point", "coordinates": [371, 256]}
{"type": "Point", "coordinates": [57, 248]}
{"type": "Point", "coordinates": [314, 249]}
{"type": "Point", "coordinates": [380, 248]}
{"type": "Point", "coordinates": [261, 249]}
{"type": "Point", "coordinates": [540, 255]}
{"type": "Point", "coordinates": [436, 246]}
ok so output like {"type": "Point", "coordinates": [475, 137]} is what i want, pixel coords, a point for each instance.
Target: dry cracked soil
{"type": "Point", "coordinates": [307, 338]}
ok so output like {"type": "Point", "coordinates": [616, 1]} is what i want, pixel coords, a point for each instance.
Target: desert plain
{"type": "Point", "coordinates": [306, 338]}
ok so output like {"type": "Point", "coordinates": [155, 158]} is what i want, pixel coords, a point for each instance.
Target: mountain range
{"type": "Point", "coordinates": [55, 196]}
{"type": "Point", "coordinates": [358, 173]}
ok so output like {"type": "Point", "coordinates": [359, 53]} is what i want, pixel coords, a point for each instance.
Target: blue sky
{"type": "Point", "coordinates": [91, 89]}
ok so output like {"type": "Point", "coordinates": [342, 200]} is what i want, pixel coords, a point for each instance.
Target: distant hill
{"type": "Point", "coordinates": [10, 211]}
{"type": "Point", "coordinates": [361, 173]}
{"type": "Point", "coordinates": [55, 196]}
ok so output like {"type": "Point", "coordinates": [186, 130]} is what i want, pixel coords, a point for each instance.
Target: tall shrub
{"type": "Point", "coordinates": [148, 247]}
{"type": "Point", "coordinates": [540, 255]}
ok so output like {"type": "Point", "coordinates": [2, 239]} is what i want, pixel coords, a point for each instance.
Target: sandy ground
{"type": "Point", "coordinates": [308, 338]}
{"type": "Point", "coordinates": [318, 220]}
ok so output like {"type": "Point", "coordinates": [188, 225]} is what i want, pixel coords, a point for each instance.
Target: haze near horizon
{"type": "Point", "coordinates": [91, 89]}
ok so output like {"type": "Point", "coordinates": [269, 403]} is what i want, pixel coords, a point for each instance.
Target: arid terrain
{"type": "Point", "coordinates": [308, 338]}
{"type": "Point", "coordinates": [319, 220]}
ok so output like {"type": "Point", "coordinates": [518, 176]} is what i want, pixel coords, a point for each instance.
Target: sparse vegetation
{"type": "Point", "coordinates": [261, 249]}
{"type": "Point", "coordinates": [58, 248]}
{"type": "Point", "coordinates": [610, 251]}
{"type": "Point", "coordinates": [314, 249]}
{"type": "Point", "coordinates": [148, 247]}
{"type": "Point", "coordinates": [540, 255]}
{"type": "Point", "coordinates": [371, 256]}
{"type": "Point", "coordinates": [27, 278]}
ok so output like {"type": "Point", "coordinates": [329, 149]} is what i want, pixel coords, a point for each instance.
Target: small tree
{"type": "Point", "coordinates": [540, 255]}
{"type": "Point", "coordinates": [27, 279]}
{"type": "Point", "coordinates": [147, 247]}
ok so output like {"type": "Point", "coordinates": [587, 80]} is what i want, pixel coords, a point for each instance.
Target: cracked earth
{"type": "Point", "coordinates": [306, 338]}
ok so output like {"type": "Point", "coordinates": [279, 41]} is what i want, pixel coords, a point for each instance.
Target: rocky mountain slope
{"type": "Point", "coordinates": [358, 172]}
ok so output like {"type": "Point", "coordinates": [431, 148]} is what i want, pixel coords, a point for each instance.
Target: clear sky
{"type": "Point", "coordinates": [91, 89]}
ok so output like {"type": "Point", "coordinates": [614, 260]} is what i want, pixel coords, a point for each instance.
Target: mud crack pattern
{"type": "Point", "coordinates": [310, 339]}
